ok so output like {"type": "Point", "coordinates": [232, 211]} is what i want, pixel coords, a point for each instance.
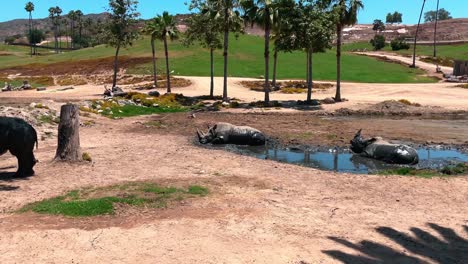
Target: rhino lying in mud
{"type": "Point", "coordinates": [379, 149]}
{"type": "Point", "coordinates": [19, 138]}
{"type": "Point", "coordinates": [225, 133]}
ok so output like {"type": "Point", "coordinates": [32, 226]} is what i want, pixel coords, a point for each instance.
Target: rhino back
{"type": "Point", "coordinates": [16, 132]}
{"type": "Point", "coordinates": [399, 154]}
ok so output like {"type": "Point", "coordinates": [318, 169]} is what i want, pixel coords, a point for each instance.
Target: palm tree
{"type": "Point", "coordinates": [435, 34]}
{"type": "Point", "coordinates": [416, 36]}
{"type": "Point", "coordinates": [72, 16]}
{"type": "Point", "coordinates": [167, 28]}
{"type": "Point", "coordinates": [225, 10]}
{"type": "Point", "coordinates": [54, 15]}
{"type": "Point", "coordinates": [204, 29]}
{"type": "Point", "coordinates": [152, 28]}
{"type": "Point", "coordinates": [79, 19]}
{"type": "Point", "coordinates": [30, 8]}
{"type": "Point", "coordinates": [262, 12]}
{"type": "Point", "coordinates": [346, 15]}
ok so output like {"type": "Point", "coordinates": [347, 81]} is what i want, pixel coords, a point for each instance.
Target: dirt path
{"type": "Point", "coordinates": [258, 210]}
{"type": "Point", "coordinates": [428, 67]}
{"type": "Point", "coordinates": [359, 94]}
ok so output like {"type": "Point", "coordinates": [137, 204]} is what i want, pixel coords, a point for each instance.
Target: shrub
{"type": "Point", "coordinates": [399, 44]}
{"type": "Point", "coordinates": [378, 42]}
{"type": "Point", "coordinates": [86, 157]}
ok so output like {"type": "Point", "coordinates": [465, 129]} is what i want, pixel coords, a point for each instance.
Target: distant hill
{"type": "Point", "coordinates": [21, 26]}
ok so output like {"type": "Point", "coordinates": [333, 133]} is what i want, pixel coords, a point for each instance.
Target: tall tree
{"type": "Point", "coordinates": [30, 8]}
{"type": "Point", "coordinates": [121, 31]}
{"type": "Point", "coordinates": [263, 12]}
{"type": "Point", "coordinates": [435, 35]}
{"type": "Point", "coordinates": [152, 28]}
{"type": "Point", "coordinates": [227, 12]}
{"type": "Point", "coordinates": [72, 17]}
{"type": "Point", "coordinates": [315, 35]}
{"type": "Point", "coordinates": [54, 15]}
{"type": "Point", "coordinates": [79, 19]}
{"type": "Point", "coordinates": [416, 35]}
{"type": "Point", "coordinates": [167, 29]}
{"type": "Point", "coordinates": [346, 12]}
{"type": "Point", "coordinates": [378, 26]}
{"type": "Point", "coordinates": [438, 14]}
{"type": "Point", "coordinates": [205, 30]}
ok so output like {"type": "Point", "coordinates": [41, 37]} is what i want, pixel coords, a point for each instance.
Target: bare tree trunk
{"type": "Point", "coordinates": [338, 63]}
{"type": "Point", "coordinates": [212, 73]}
{"type": "Point", "coordinates": [435, 36]}
{"type": "Point", "coordinates": [116, 66]}
{"type": "Point", "coordinates": [225, 53]}
{"type": "Point", "coordinates": [168, 75]}
{"type": "Point", "coordinates": [68, 148]}
{"type": "Point", "coordinates": [155, 77]}
{"type": "Point", "coordinates": [416, 36]}
{"type": "Point", "coordinates": [275, 62]}
{"type": "Point", "coordinates": [309, 82]}
{"type": "Point", "coordinates": [30, 33]}
{"type": "Point", "coordinates": [267, 57]}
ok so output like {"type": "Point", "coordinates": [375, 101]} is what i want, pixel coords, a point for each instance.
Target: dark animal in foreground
{"type": "Point", "coordinates": [225, 133]}
{"type": "Point", "coordinates": [19, 138]}
{"type": "Point", "coordinates": [379, 149]}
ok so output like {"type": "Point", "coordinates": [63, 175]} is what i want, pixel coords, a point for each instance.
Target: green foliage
{"type": "Point", "coordinates": [122, 22]}
{"type": "Point", "coordinates": [443, 14]}
{"type": "Point", "coordinates": [86, 157]}
{"type": "Point", "coordinates": [205, 30]}
{"type": "Point", "coordinates": [453, 170]}
{"type": "Point", "coordinates": [399, 44]}
{"type": "Point", "coordinates": [459, 169]}
{"type": "Point", "coordinates": [100, 201]}
{"type": "Point", "coordinates": [396, 17]}
{"type": "Point", "coordinates": [378, 42]}
{"type": "Point", "coordinates": [36, 36]}
{"type": "Point", "coordinates": [378, 25]}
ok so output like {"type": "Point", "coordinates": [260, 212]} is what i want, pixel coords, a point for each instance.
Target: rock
{"type": "Point", "coordinates": [32, 105]}
{"type": "Point", "coordinates": [154, 93]}
{"type": "Point", "coordinates": [117, 90]}
{"type": "Point", "coordinates": [100, 111]}
{"type": "Point", "coordinates": [328, 100]}
{"type": "Point", "coordinates": [41, 89]}
{"type": "Point", "coordinates": [225, 104]}
{"type": "Point", "coordinates": [155, 105]}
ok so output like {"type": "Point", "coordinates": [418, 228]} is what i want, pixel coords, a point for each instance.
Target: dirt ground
{"type": "Point", "coordinates": [258, 211]}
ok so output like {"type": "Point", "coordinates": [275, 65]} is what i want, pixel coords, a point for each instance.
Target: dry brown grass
{"type": "Point", "coordinates": [287, 87]}
{"type": "Point", "coordinates": [71, 80]}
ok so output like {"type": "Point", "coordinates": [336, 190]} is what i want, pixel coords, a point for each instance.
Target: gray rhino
{"type": "Point", "coordinates": [225, 133]}
{"type": "Point", "coordinates": [379, 149]}
{"type": "Point", "coordinates": [19, 138]}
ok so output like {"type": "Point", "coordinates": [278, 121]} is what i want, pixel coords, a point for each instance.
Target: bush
{"type": "Point", "coordinates": [399, 44]}
{"type": "Point", "coordinates": [378, 42]}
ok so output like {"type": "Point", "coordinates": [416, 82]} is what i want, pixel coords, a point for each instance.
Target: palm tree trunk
{"type": "Point", "coordinates": [435, 35]}
{"type": "Point", "coordinates": [155, 78]}
{"type": "Point", "coordinates": [416, 36]}
{"type": "Point", "coordinates": [309, 75]}
{"type": "Point", "coordinates": [225, 53]}
{"type": "Point", "coordinates": [211, 73]}
{"type": "Point", "coordinates": [168, 75]}
{"type": "Point", "coordinates": [30, 33]}
{"type": "Point", "coordinates": [116, 66]}
{"type": "Point", "coordinates": [275, 62]}
{"type": "Point", "coordinates": [338, 63]}
{"type": "Point", "coordinates": [267, 60]}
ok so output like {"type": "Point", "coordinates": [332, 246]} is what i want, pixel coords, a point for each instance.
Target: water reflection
{"type": "Point", "coordinates": [341, 160]}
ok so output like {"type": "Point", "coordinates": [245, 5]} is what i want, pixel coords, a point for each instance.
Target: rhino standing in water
{"type": "Point", "coordinates": [225, 133]}
{"type": "Point", "coordinates": [379, 149]}
{"type": "Point", "coordinates": [19, 138]}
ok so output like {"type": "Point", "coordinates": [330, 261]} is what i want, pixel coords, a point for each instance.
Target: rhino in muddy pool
{"type": "Point", "coordinates": [379, 149]}
{"type": "Point", "coordinates": [19, 138]}
{"type": "Point", "coordinates": [225, 133]}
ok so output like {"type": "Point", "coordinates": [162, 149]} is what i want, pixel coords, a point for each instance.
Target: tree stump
{"type": "Point", "coordinates": [68, 147]}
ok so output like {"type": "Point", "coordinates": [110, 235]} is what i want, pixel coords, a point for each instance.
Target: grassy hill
{"type": "Point", "coordinates": [245, 60]}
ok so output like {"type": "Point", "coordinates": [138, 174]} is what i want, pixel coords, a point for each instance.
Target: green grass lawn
{"type": "Point", "coordinates": [459, 51]}
{"type": "Point", "coordinates": [245, 60]}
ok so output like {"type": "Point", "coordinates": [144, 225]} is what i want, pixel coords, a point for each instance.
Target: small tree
{"type": "Point", "coordinates": [397, 17]}
{"type": "Point", "coordinates": [431, 16]}
{"type": "Point", "coordinates": [121, 28]}
{"type": "Point", "coordinates": [378, 42]}
{"type": "Point", "coordinates": [167, 28]}
{"type": "Point", "coordinates": [36, 36]}
{"type": "Point", "coordinates": [205, 30]}
{"type": "Point", "coordinates": [378, 26]}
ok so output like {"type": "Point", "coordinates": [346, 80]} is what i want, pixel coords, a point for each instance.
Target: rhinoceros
{"type": "Point", "coordinates": [379, 149]}
{"type": "Point", "coordinates": [225, 133]}
{"type": "Point", "coordinates": [19, 138]}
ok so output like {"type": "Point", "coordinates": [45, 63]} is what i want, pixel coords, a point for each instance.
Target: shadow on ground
{"type": "Point", "coordinates": [419, 244]}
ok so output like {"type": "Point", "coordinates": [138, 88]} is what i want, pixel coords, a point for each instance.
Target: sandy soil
{"type": "Point", "coordinates": [259, 211]}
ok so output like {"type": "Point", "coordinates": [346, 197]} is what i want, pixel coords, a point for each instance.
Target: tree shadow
{"type": "Point", "coordinates": [4, 188]}
{"type": "Point", "coordinates": [452, 248]}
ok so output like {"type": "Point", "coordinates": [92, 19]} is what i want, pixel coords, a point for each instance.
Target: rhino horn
{"type": "Point", "coordinates": [358, 134]}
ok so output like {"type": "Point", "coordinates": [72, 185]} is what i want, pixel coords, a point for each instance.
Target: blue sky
{"type": "Point", "coordinates": [374, 9]}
